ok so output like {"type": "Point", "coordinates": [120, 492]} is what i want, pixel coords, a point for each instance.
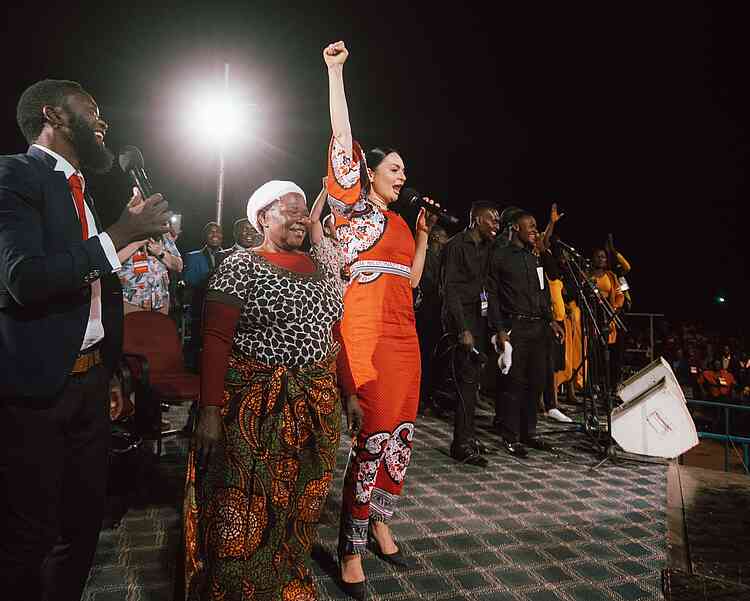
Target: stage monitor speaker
{"type": "Point", "coordinates": [653, 419]}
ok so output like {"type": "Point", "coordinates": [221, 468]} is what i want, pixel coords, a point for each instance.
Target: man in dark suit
{"type": "Point", "coordinates": [199, 265]}
{"type": "Point", "coordinates": [60, 337]}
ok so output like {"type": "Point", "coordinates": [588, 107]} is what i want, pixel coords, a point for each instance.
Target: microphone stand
{"type": "Point", "coordinates": [596, 316]}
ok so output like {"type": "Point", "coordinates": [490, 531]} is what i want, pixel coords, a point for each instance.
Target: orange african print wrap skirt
{"type": "Point", "coordinates": [251, 513]}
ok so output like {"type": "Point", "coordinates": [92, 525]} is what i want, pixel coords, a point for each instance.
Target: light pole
{"type": "Point", "coordinates": [222, 145]}
{"type": "Point", "coordinates": [219, 119]}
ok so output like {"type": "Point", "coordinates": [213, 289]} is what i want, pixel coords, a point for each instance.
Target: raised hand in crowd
{"type": "Point", "coordinates": [610, 245]}
{"type": "Point", "coordinates": [554, 217]}
{"type": "Point", "coordinates": [154, 247]}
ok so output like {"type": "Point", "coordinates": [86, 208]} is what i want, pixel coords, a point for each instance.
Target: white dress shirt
{"type": "Point", "coordinates": [94, 328]}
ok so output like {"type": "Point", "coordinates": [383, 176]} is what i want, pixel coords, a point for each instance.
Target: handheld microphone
{"type": "Point", "coordinates": [131, 162]}
{"type": "Point", "coordinates": [412, 198]}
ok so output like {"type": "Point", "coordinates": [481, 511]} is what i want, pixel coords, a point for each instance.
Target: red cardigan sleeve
{"type": "Point", "coordinates": [219, 324]}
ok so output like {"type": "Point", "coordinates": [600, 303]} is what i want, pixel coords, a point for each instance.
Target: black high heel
{"type": "Point", "coordinates": [356, 590]}
{"type": "Point", "coordinates": [397, 559]}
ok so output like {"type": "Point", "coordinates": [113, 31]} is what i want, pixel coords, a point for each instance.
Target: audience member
{"type": "Point", "coordinates": [199, 265]}
{"type": "Point", "coordinates": [145, 275]}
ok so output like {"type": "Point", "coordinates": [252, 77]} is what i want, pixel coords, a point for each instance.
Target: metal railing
{"type": "Point", "coordinates": [726, 438]}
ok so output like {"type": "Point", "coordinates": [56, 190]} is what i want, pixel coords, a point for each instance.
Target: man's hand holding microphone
{"type": "Point", "coordinates": [140, 220]}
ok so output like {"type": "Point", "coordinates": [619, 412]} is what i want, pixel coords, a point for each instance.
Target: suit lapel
{"type": "Point", "coordinates": [59, 206]}
{"type": "Point", "coordinates": [90, 203]}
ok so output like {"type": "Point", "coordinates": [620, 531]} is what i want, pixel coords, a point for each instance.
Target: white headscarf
{"type": "Point", "coordinates": [266, 195]}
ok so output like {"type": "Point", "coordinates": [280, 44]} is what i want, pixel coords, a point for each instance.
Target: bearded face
{"type": "Point", "coordinates": [86, 131]}
{"type": "Point", "coordinates": [89, 145]}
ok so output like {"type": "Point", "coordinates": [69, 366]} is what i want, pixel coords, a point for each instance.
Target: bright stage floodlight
{"type": "Point", "coordinates": [219, 119]}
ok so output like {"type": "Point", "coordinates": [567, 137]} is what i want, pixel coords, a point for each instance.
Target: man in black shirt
{"type": "Point", "coordinates": [465, 261]}
{"type": "Point", "coordinates": [520, 313]}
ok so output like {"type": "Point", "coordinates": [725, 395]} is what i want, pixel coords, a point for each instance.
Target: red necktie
{"type": "Point", "coordinates": [76, 187]}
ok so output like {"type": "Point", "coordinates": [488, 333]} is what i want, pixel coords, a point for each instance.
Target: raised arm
{"type": "Point", "coordinates": [316, 228]}
{"type": "Point", "coordinates": [335, 56]}
{"type": "Point", "coordinates": [554, 217]}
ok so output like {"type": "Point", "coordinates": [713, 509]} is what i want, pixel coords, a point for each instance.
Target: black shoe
{"type": "Point", "coordinates": [356, 590]}
{"type": "Point", "coordinates": [468, 455]}
{"type": "Point", "coordinates": [514, 448]}
{"type": "Point", "coordinates": [397, 559]}
{"type": "Point", "coordinates": [540, 445]}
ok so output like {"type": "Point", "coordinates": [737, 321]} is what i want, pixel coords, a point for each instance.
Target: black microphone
{"type": "Point", "coordinates": [568, 247]}
{"type": "Point", "coordinates": [412, 198]}
{"type": "Point", "coordinates": [131, 162]}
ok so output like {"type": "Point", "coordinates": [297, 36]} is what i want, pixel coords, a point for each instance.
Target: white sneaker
{"type": "Point", "coordinates": [559, 416]}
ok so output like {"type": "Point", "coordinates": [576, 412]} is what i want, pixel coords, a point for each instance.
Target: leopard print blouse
{"type": "Point", "coordinates": [286, 317]}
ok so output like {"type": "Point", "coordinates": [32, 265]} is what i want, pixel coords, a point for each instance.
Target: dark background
{"type": "Point", "coordinates": [633, 119]}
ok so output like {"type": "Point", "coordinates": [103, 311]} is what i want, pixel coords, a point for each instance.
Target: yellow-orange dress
{"type": "Point", "coordinates": [573, 347]}
{"type": "Point", "coordinates": [610, 289]}
{"type": "Point", "coordinates": [380, 358]}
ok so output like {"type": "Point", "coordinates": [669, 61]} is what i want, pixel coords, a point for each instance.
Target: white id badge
{"type": "Point", "coordinates": [540, 273]}
{"type": "Point", "coordinates": [483, 302]}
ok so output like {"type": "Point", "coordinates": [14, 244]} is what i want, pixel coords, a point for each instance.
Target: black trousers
{"type": "Point", "coordinates": [468, 377]}
{"type": "Point", "coordinates": [53, 469]}
{"type": "Point", "coordinates": [518, 392]}
{"type": "Point", "coordinates": [468, 372]}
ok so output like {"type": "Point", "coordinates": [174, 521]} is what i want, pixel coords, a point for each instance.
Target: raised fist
{"type": "Point", "coordinates": [335, 54]}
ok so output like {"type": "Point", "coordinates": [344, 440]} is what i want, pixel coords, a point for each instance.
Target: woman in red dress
{"type": "Point", "coordinates": [379, 366]}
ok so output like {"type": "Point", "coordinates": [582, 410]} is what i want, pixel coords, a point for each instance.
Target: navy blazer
{"type": "Point", "coordinates": [198, 267]}
{"type": "Point", "coordinates": [45, 276]}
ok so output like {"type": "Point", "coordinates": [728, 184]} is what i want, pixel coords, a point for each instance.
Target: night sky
{"type": "Point", "coordinates": [634, 121]}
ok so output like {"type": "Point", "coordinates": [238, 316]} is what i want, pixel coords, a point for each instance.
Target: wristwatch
{"type": "Point", "coordinates": [160, 256]}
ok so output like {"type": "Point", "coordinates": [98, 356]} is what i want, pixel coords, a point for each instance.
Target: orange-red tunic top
{"type": "Point", "coordinates": [380, 355]}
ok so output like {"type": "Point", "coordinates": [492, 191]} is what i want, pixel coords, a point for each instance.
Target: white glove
{"type": "Point", "coordinates": [505, 359]}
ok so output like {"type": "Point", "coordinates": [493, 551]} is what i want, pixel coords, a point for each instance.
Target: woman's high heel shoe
{"type": "Point", "coordinates": [356, 590]}
{"type": "Point", "coordinates": [397, 559]}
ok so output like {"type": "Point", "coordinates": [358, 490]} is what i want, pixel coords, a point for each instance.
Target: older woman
{"type": "Point", "coordinates": [380, 366]}
{"type": "Point", "coordinates": [265, 445]}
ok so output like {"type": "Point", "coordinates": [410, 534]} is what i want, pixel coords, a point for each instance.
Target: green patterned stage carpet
{"type": "Point", "coordinates": [539, 529]}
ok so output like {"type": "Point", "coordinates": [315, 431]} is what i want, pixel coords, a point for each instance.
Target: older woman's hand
{"type": "Point", "coordinates": [207, 434]}
{"type": "Point", "coordinates": [354, 414]}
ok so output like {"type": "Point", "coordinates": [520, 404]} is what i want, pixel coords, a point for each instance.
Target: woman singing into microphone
{"type": "Point", "coordinates": [379, 366]}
